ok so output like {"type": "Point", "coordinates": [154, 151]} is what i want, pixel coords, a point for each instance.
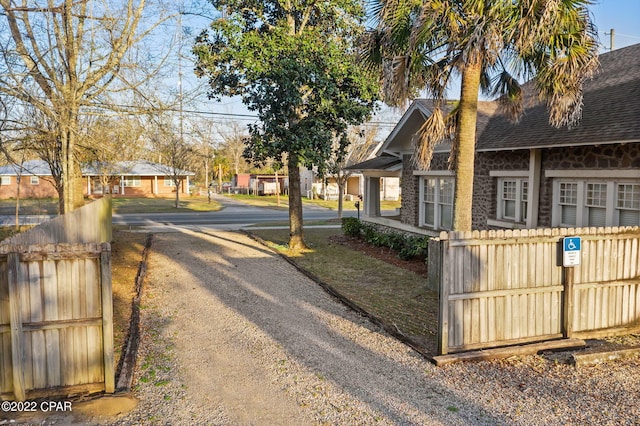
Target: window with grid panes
{"type": "Point", "coordinates": [437, 202]}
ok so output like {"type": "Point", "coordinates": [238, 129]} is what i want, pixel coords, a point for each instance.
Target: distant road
{"type": "Point", "coordinates": [233, 213]}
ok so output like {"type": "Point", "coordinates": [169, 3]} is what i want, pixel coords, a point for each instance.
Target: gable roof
{"type": "Point", "coordinates": [402, 138]}
{"type": "Point", "coordinates": [133, 168]}
{"type": "Point", "coordinates": [610, 114]}
{"type": "Point", "coordinates": [128, 168]}
{"type": "Point", "coordinates": [383, 162]}
{"type": "Point", "coordinates": [28, 168]}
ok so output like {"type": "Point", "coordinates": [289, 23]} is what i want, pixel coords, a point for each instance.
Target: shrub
{"type": "Point", "coordinates": [414, 247]}
{"type": "Point", "coordinates": [406, 247]}
{"type": "Point", "coordinates": [351, 226]}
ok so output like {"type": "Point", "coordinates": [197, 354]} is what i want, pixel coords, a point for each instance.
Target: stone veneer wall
{"type": "Point", "coordinates": [608, 157]}
{"type": "Point", "coordinates": [485, 192]}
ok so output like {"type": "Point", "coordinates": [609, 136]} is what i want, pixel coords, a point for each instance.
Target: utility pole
{"type": "Point", "coordinates": [611, 35]}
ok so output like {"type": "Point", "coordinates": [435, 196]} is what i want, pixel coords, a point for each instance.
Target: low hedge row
{"type": "Point", "coordinates": [407, 247]}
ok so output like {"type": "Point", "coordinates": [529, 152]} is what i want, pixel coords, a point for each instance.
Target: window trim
{"type": "Point", "coordinates": [520, 213]}
{"type": "Point", "coordinates": [438, 177]}
{"type": "Point", "coordinates": [131, 181]}
{"type": "Point", "coordinates": [612, 211]}
{"type": "Point", "coordinates": [34, 180]}
{"type": "Point", "coordinates": [5, 180]}
{"type": "Point", "coordinates": [168, 182]}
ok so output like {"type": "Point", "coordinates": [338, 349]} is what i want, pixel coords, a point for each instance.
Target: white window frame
{"type": "Point", "coordinates": [437, 202]}
{"type": "Point", "coordinates": [131, 181]}
{"type": "Point", "coordinates": [169, 182]}
{"type": "Point", "coordinates": [521, 187]}
{"type": "Point", "coordinates": [521, 177]}
{"type": "Point", "coordinates": [612, 207]}
{"type": "Point", "coordinates": [5, 180]}
{"type": "Point", "coordinates": [35, 180]}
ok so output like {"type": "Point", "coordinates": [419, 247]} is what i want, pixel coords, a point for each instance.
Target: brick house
{"type": "Point", "coordinates": [33, 179]}
{"type": "Point", "coordinates": [123, 179]}
{"type": "Point", "coordinates": [530, 174]}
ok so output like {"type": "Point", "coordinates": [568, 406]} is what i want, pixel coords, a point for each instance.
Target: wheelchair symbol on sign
{"type": "Point", "coordinates": [571, 245]}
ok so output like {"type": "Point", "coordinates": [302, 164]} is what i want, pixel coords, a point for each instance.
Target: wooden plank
{"type": "Point", "coordinates": [598, 357]}
{"type": "Point", "coordinates": [505, 293]}
{"type": "Point", "coordinates": [567, 314]}
{"type": "Point", "coordinates": [17, 338]}
{"type": "Point", "coordinates": [498, 353]}
{"type": "Point", "coordinates": [38, 359]}
{"type": "Point", "coordinates": [443, 273]}
{"type": "Point", "coordinates": [107, 324]}
{"type": "Point", "coordinates": [95, 354]}
{"type": "Point", "coordinates": [6, 366]}
{"type": "Point", "coordinates": [52, 342]}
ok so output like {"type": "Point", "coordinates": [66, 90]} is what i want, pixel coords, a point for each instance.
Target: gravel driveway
{"type": "Point", "coordinates": [233, 334]}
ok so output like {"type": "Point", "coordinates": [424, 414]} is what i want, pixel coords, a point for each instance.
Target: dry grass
{"type": "Point", "coordinates": [394, 295]}
{"type": "Point", "coordinates": [126, 254]}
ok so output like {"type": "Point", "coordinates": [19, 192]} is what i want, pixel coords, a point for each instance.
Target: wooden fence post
{"type": "Point", "coordinates": [107, 318]}
{"type": "Point", "coordinates": [443, 323]}
{"type": "Point", "coordinates": [17, 337]}
{"type": "Point", "coordinates": [567, 303]}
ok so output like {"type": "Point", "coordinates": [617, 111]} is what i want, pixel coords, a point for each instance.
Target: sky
{"type": "Point", "coordinates": [623, 16]}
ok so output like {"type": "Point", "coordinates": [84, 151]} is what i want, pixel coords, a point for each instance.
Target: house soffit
{"type": "Point", "coordinates": [400, 140]}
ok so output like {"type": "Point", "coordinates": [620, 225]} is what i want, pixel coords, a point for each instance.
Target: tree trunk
{"type": "Point", "coordinates": [341, 183]}
{"type": "Point", "coordinates": [296, 233]}
{"type": "Point", "coordinates": [465, 144]}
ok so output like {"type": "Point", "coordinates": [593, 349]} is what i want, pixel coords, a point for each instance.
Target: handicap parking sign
{"type": "Point", "coordinates": [571, 251]}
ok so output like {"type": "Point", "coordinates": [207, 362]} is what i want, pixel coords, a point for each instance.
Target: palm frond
{"type": "Point", "coordinates": [432, 132]}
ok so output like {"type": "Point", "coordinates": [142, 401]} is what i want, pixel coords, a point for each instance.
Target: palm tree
{"type": "Point", "coordinates": [491, 45]}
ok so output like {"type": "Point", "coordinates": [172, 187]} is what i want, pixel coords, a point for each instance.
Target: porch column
{"type": "Point", "coordinates": [121, 185]}
{"type": "Point", "coordinates": [88, 185]}
{"type": "Point", "coordinates": [372, 197]}
{"type": "Point", "coordinates": [155, 185]}
{"type": "Point", "coordinates": [533, 190]}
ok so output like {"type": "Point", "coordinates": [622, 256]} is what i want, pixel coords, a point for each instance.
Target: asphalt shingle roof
{"type": "Point", "coordinates": [611, 111]}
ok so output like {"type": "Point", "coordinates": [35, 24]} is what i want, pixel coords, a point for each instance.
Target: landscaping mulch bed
{"type": "Point", "coordinates": [418, 266]}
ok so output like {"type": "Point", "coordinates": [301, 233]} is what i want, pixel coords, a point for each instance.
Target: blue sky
{"type": "Point", "coordinates": [621, 15]}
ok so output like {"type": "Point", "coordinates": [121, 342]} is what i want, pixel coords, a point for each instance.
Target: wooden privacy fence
{"type": "Point", "coordinates": [88, 224]}
{"type": "Point", "coordinates": [56, 331]}
{"type": "Point", "coordinates": [56, 311]}
{"type": "Point", "coordinates": [500, 288]}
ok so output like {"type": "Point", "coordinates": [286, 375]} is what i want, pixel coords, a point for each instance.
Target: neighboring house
{"type": "Point", "coordinates": [126, 179]}
{"type": "Point", "coordinates": [134, 179]}
{"type": "Point", "coordinates": [530, 174]}
{"type": "Point", "coordinates": [33, 178]}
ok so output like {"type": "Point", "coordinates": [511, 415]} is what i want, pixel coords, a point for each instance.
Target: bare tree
{"type": "Point", "coordinates": [177, 153]}
{"type": "Point", "coordinates": [234, 143]}
{"type": "Point", "coordinates": [362, 141]}
{"type": "Point", "coordinates": [203, 133]}
{"type": "Point", "coordinates": [109, 141]}
{"type": "Point", "coordinates": [64, 59]}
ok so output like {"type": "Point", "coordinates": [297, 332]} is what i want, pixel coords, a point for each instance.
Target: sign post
{"type": "Point", "coordinates": [571, 253]}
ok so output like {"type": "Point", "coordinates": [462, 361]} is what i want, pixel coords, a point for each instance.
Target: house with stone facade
{"type": "Point", "coordinates": [528, 174]}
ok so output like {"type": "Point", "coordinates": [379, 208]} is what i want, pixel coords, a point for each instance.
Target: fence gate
{"type": "Point", "coordinates": [56, 329]}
